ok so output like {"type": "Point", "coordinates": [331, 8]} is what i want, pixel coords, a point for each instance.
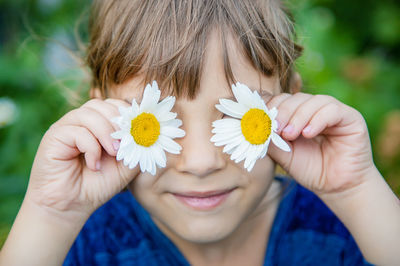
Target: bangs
{"type": "Point", "coordinates": [166, 41]}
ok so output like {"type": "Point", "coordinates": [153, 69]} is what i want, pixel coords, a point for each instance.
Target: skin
{"type": "Point", "coordinates": [75, 172]}
{"type": "Point", "coordinates": [214, 237]}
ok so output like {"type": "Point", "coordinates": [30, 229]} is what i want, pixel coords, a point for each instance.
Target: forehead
{"type": "Point", "coordinates": [213, 83]}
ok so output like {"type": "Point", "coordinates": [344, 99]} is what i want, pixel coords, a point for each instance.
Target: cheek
{"type": "Point", "coordinates": [263, 171]}
{"type": "Point", "coordinates": [143, 181]}
{"type": "Point", "coordinates": [197, 227]}
{"type": "Point", "coordinates": [255, 184]}
{"type": "Point", "coordinates": [143, 188]}
{"type": "Point", "coordinates": [260, 179]}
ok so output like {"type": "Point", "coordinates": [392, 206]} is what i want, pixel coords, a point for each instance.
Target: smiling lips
{"type": "Point", "coordinates": [203, 200]}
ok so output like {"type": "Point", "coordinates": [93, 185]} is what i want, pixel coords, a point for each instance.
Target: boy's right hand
{"type": "Point", "coordinates": [75, 170]}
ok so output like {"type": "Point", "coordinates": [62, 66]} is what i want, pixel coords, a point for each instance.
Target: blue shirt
{"type": "Point", "coordinates": [304, 232]}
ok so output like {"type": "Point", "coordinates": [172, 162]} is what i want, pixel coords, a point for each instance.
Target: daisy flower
{"type": "Point", "coordinates": [147, 131]}
{"type": "Point", "coordinates": [247, 135]}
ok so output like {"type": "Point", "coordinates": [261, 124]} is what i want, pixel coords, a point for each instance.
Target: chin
{"type": "Point", "coordinates": [203, 230]}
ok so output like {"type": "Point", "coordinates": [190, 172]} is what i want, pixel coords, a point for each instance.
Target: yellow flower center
{"type": "Point", "coordinates": [145, 129]}
{"type": "Point", "coordinates": [256, 126]}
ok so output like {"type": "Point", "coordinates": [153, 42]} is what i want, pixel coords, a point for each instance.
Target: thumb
{"type": "Point", "coordinates": [303, 161]}
{"type": "Point", "coordinates": [280, 156]}
{"type": "Point", "coordinates": [115, 176]}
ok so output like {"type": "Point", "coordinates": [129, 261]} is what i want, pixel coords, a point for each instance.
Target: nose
{"type": "Point", "coordinates": [199, 156]}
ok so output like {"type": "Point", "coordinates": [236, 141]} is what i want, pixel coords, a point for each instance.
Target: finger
{"type": "Point", "coordinates": [96, 123]}
{"type": "Point", "coordinates": [117, 102]}
{"type": "Point", "coordinates": [326, 117]}
{"type": "Point", "coordinates": [109, 108]}
{"type": "Point", "coordinates": [79, 140]}
{"type": "Point", "coordinates": [277, 100]}
{"type": "Point", "coordinates": [287, 107]}
{"type": "Point", "coordinates": [303, 114]}
{"type": "Point", "coordinates": [106, 109]}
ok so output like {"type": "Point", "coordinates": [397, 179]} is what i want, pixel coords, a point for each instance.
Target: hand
{"type": "Point", "coordinates": [331, 150]}
{"type": "Point", "coordinates": [75, 170]}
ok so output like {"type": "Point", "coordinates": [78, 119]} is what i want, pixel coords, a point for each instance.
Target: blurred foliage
{"type": "Point", "coordinates": [352, 51]}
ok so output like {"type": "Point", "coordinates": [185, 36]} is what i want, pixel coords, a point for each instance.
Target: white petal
{"type": "Point", "coordinates": [234, 107]}
{"type": "Point", "coordinates": [243, 95]}
{"type": "Point", "coordinates": [250, 152]}
{"type": "Point", "coordinates": [151, 164]}
{"type": "Point", "coordinates": [158, 155]}
{"type": "Point", "coordinates": [171, 123]}
{"type": "Point", "coordinates": [258, 102]}
{"type": "Point", "coordinates": [125, 151]}
{"type": "Point", "coordinates": [117, 120]}
{"type": "Point", "coordinates": [172, 132]}
{"type": "Point", "coordinates": [126, 140]}
{"type": "Point", "coordinates": [129, 155]}
{"type": "Point", "coordinates": [251, 165]}
{"type": "Point", "coordinates": [226, 123]}
{"type": "Point", "coordinates": [226, 111]}
{"type": "Point", "coordinates": [240, 150]}
{"type": "Point", "coordinates": [273, 113]}
{"type": "Point", "coordinates": [122, 152]}
{"type": "Point", "coordinates": [245, 154]}
{"type": "Point", "coordinates": [143, 161]}
{"type": "Point", "coordinates": [237, 139]}
{"type": "Point", "coordinates": [125, 112]}
{"type": "Point", "coordinates": [230, 147]}
{"type": "Point", "coordinates": [265, 149]}
{"type": "Point", "coordinates": [253, 156]}
{"type": "Point", "coordinates": [279, 142]}
{"type": "Point", "coordinates": [124, 124]}
{"type": "Point", "coordinates": [226, 136]}
{"type": "Point", "coordinates": [166, 116]}
{"type": "Point", "coordinates": [135, 108]}
{"type": "Point", "coordinates": [153, 167]}
{"type": "Point", "coordinates": [225, 130]}
{"type": "Point", "coordinates": [118, 134]}
{"type": "Point", "coordinates": [274, 125]}
{"type": "Point", "coordinates": [136, 157]}
{"type": "Point", "coordinates": [164, 106]}
{"type": "Point", "coordinates": [259, 151]}
{"type": "Point", "coordinates": [169, 145]}
{"type": "Point", "coordinates": [151, 96]}
{"type": "Point", "coordinates": [149, 161]}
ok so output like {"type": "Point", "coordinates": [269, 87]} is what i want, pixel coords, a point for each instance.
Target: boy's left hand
{"type": "Point", "coordinates": [331, 150]}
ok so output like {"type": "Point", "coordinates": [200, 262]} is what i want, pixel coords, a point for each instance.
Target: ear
{"type": "Point", "coordinates": [95, 93]}
{"type": "Point", "coordinates": [296, 84]}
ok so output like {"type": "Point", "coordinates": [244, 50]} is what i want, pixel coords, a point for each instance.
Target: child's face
{"type": "Point", "coordinates": [202, 167]}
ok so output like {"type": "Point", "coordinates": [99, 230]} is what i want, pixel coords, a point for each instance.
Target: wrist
{"type": "Point", "coordinates": [366, 180]}
{"type": "Point", "coordinates": [371, 212]}
{"type": "Point", "coordinates": [63, 212]}
{"type": "Point", "coordinates": [67, 219]}
{"type": "Point", "coordinates": [45, 237]}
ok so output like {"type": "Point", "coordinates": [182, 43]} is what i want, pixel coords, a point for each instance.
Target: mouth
{"type": "Point", "coordinates": [203, 201]}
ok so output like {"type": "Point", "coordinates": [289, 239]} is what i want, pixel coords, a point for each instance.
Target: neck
{"type": "Point", "coordinates": [245, 246]}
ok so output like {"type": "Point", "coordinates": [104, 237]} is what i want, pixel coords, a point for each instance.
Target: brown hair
{"type": "Point", "coordinates": [166, 40]}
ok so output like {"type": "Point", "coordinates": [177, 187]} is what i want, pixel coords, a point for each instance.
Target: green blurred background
{"type": "Point", "coordinates": [352, 51]}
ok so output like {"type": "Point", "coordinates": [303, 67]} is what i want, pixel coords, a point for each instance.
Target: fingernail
{"type": "Point", "coordinates": [116, 145]}
{"type": "Point", "coordinates": [307, 129]}
{"type": "Point", "coordinates": [288, 129]}
{"type": "Point", "coordinates": [98, 165]}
